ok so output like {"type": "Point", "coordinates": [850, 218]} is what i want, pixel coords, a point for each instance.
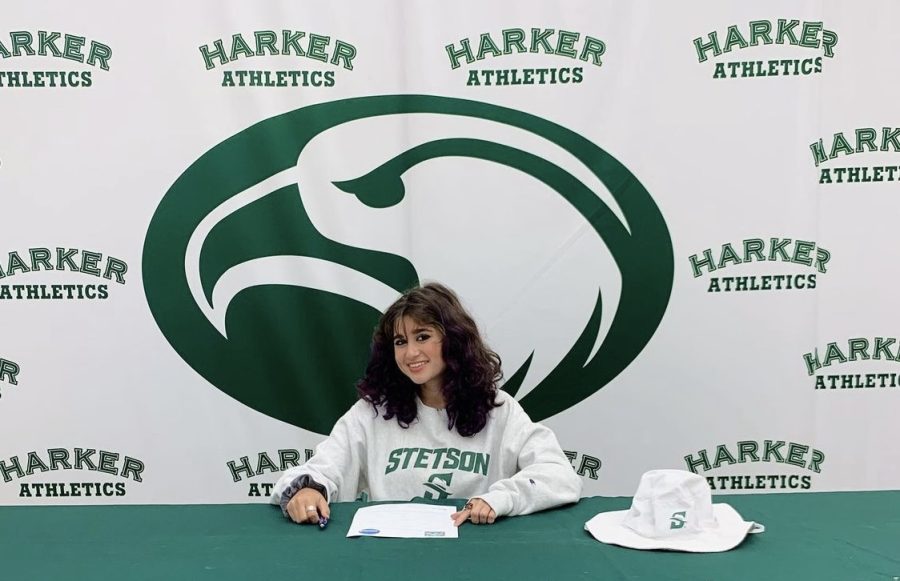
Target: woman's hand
{"type": "Point", "coordinates": [477, 511]}
{"type": "Point", "coordinates": [307, 506]}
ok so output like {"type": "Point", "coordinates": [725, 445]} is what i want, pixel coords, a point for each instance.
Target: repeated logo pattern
{"type": "Point", "coordinates": [164, 265]}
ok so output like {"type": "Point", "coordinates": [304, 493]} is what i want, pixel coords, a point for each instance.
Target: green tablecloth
{"type": "Point", "coordinates": [841, 536]}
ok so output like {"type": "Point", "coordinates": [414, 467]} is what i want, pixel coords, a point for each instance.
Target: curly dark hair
{"type": "Point", "coordinates": [472, 369]}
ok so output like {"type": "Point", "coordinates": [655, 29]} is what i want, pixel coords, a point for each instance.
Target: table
{"type": "Point", "coordinates": [809, 536]}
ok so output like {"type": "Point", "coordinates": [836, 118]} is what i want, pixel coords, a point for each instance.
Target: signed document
{"type": "Point", "coordinates": [404, 520]}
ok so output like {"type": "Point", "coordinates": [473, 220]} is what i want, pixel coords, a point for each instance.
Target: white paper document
{"type": "Point", "coordinates": [404, 520]}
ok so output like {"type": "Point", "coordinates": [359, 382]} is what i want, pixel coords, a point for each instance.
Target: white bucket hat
{"type": "Point", "coordinates": [673, 510]}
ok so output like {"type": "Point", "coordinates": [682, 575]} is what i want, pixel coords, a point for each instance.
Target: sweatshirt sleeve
{"type": "Point", "coordinates": [545, 477]}
{"type": "Point", "coordinates": [338, 463]}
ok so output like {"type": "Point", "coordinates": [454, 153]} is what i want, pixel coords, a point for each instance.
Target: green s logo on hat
{"type": "Point", "coordinates": [678, 520]}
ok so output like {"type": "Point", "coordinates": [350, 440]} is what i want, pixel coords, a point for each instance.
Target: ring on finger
{"type": "Point", "coordinates": [310, 508]}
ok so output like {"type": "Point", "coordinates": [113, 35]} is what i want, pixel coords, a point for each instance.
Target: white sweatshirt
{"type": "Point", "coordinates": [513, 464]}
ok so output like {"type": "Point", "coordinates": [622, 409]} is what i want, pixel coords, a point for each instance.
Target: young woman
{"type": "Point", "coordinates": [430, 422]}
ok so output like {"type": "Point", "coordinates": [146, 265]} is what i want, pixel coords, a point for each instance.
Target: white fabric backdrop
{"type": "Point", "coordinates": [725, 160]}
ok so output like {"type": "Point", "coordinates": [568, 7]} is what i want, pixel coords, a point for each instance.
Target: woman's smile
{"type": "Point", "coordinates": [418, 351]}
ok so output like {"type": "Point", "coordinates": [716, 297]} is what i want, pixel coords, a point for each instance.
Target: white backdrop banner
{"type": "Point", "coordinates": [672, 222]}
